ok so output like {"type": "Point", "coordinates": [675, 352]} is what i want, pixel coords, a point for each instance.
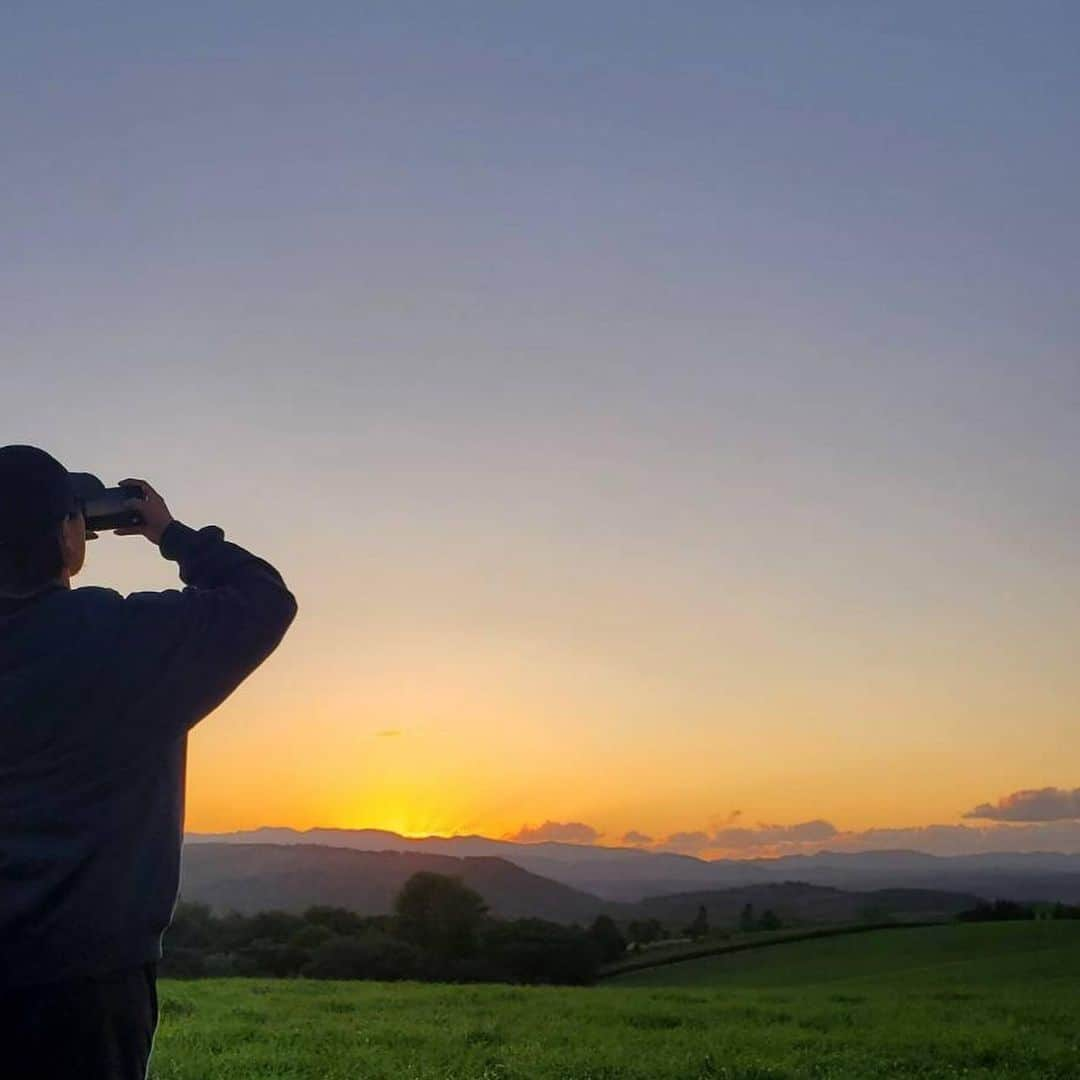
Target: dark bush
{"type": "Point", "coordinates": [998, 911]}
{"type": "Point", "coordinates": [343, 921]}
{"type": "Point", "coordinates": [180, 962]}
{"type": "Point", "coordinates": [536, 951]}
{"type": "Point", "coordinates": [193, 927]}
{"type": "Point", "coordinates": [609, 942]}
{"type": "Point", "coordinates": [270, 958]}
{"type": "Point", "coordinates": [373, 956]}
{"type": "Point", "coordinates": [644, 931]}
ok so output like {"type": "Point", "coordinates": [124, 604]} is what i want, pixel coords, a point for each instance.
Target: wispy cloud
{"type": "Point", "coordinates": [1036, 804]}
{"type": "Point", "coordinates": [563, 832]}
{"type": "Point", "coordinates": [966, 839]}
{"type": "Point", "coordinates": [741, 838]}
{"type": "Point", "coordinates": [388, 733]}
{"type": "Point", "coordinates": [1043, 819]}
{"type": "Point", "coordinates": [806, 838]}
{"type": "Point", "coordinates": [768, 835]}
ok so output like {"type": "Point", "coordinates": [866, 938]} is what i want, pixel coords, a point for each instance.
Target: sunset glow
{"type": "Point", "coordinates": [656, 439]}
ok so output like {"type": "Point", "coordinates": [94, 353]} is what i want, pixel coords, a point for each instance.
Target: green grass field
{"type": "Point", "coordinates": [975, 1001]}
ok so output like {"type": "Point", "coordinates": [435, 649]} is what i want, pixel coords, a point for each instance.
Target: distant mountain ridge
{"type": "Point", "coordinates": [798, 902]}
{"type": "Point", "coordinates": [631, 874]}
{"type": "Point", "coordinates": [293, 877]}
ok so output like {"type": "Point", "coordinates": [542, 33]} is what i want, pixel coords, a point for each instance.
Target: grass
{"type": "Point", "coordinates": [997, 1000]}
{"type": "Point", "coordinates": [678, 954]}
{"type": "Point", "coordinates": [989, 948]}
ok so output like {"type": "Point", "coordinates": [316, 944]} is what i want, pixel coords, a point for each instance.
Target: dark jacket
{"type": "Point", "coordinates": [97, 694]}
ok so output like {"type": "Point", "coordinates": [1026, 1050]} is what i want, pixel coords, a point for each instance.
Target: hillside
{"type": "Point", "coordinates": [977, 954]}
{"type": "Point", "coordinates": [993, 1002]}
{"type": "Point", "coordinates": [256, 877]}
{"type": "Point", "coordinates": [798, 902]}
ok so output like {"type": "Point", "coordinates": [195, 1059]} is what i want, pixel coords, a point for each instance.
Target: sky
{"type": "Point", "coordinates": [665, 414]}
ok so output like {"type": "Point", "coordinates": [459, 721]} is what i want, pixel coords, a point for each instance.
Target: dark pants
{"type": "Point", "coordinates": [99, 1027]}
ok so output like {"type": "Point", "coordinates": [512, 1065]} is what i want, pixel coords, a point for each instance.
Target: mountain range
{"type": "Point", "coordinates": [629, 875]}
{"type": "Point", "coordinates": [292, 877]}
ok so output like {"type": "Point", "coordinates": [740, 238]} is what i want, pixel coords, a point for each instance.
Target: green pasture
{"type": "Point", "coordinates": [971, 1001]}
{"type": "Point", "coordinates": [992, 951]}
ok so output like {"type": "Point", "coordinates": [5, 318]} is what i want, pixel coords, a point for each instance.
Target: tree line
{"type": "Point", "coordinates": [1010, 911]}
{"type": "Point", "coordinates": [440, 929]}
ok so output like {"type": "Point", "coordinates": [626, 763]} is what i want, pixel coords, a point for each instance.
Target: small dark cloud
{"type": "Point", "coordinates": [1038, 804]}
{"type": "Point", "coordinates": [635, 838]}
{"type": "Point", "coordinates": [562, 832]}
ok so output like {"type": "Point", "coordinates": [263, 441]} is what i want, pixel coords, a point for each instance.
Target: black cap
{"type": "Point", "coordinates": [37, 493]}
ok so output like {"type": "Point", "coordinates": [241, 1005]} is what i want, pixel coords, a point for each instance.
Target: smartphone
{"type": "Point", "coordinates": [107, 509]}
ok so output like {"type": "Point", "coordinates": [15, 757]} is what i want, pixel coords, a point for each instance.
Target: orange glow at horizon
{"type": "Point", "coordinates": [492, 738]}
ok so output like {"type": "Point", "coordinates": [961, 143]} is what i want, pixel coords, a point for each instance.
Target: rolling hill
{"type": "Point", "coordinates": [798, 902]}
{"type": "Point", "coordinates": [927, 956]}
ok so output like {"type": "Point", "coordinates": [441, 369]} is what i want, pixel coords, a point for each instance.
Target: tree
{"type": "Point", "coordinates": [610, 943]}
{"type": "Point", "coordinates": [369, 956]}
{"type": "Point", "coordinates": [440, 915]}
{"type": "Point", "coordinates": [998, 911]}
{"type": "Point", "coordinates": [336, 919]}
{"type": "Point", "coordinates": [699, 928]}
{"type": "Point", "coordinates": [746, 918]}
{"type": "Point", "coordinates": [538, 951]}
{"type": "Point", "coordinates": [265, 957]}
{"type": "Point", "coordinates": [310, 937]}
{"type": "Point", "coordinates": [769, 920]}
{"type": "Point", "coordinates": [192, 927]}
{"type": "Point", "coordinates": [644, 931]}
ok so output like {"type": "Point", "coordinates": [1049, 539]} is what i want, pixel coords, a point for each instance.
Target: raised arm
{"type": "Point", "coordinates": [188, 650]}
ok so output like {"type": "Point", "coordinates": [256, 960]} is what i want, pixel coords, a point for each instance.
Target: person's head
{"type": "Point", "coordinates": [42, 530]}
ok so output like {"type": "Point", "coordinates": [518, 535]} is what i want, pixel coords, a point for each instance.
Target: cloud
{"type": "Point", "coordinates": [388, 733]}
{"type": "Point", "coordinates": [560, 832]}
{"type": "Point", "coordinates": [966, 839]}
{"type": "Point", "coordinates": [1038, 820]}
{"type": "Point", "coordinates": [760, 838]}
{"type": "Point", "coordinates": [770, 835]}
{"type": "Point", "coordinates": [1041, 804]}
{"type": "Point", "coordinates": [809, 837]}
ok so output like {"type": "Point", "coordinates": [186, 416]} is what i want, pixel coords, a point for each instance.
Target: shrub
{"type": "Point", "coordinates": [536, 951]}
{"type": "Point", "coordinates": [373, 956]}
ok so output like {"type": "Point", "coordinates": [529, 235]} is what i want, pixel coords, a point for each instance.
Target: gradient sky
{"type": "Point", "coordinates": [660, 410]}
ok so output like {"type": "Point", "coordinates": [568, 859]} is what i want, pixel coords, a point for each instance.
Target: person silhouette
{"type": "Point", "coordinates": [97, 694]}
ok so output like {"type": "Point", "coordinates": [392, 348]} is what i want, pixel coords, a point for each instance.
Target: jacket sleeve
{"type": "Point", "coordinates": [189, 649]}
